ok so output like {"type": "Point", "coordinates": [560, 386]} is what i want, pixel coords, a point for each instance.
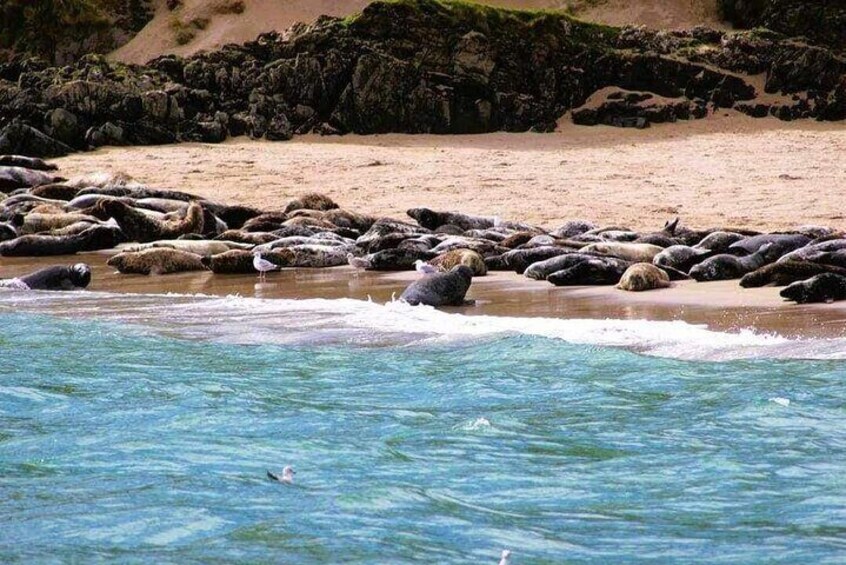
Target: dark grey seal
{"type": "Point", "coordinates": [681, 257]}
{"type": "Point", "coordinates": [725, 267]}
{"type": "Point", "coordinates": [787, 272]}
{"type": "Point", "coordinates": [26, 162]}
{"type": "Point", "coordinates": [56, 277]}
{"type": "Point", "coordinates": [780, 244]}
{"type": "Point", "coordinates": [595, 271]}
{"type": "Point", "coordinates": [440, 289]}
{"type": "Point", "coordinates": [826, 287]}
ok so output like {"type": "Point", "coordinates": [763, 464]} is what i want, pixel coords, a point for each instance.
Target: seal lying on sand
{"type": "Point", "coordinates": [140, 227]}
{"type": "Point", "coordinates": [440, 289]}
{"type": "Point", "coordinates": [156, 261]}
{"type": "Point", "coordinates": [643, 276]}
{"type": "Point", "coordinates": [26, 162]}
{"type": "Point", "coordinates": [784, 273]}
{"type": "Point", "coordinates": [450, 259]}
{"type": "Point", "coordinates": [593, 271]}
{"type": "Point", "coordinates": [826, 287]}
{"type": "Point", "coordinates": [431, 219]}
{"type": "Point", "coordinates": [311, 201]}
{"type": "Point", "coordinates": [56, 277]}
{"type": "Point", "coordinates": [94, 238]}
{"type": "Point", "coordinates": [724, 267]}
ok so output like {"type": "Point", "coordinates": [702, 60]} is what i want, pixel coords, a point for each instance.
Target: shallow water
{"type": "Point", "coordinates": [142, 430]}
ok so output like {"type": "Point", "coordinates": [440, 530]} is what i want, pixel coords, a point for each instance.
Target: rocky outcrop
{"type": "Point", "coordinates": [419, 66]}
{"type": "Point", "coordinates": [820, 21]}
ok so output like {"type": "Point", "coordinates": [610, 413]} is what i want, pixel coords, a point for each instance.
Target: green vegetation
{"type": "Point", "coordinates": [482, 17]}
{"type": "Point", "coordinates": [42, 26]}
{"type": "Point", "coordinates": [185, 32]}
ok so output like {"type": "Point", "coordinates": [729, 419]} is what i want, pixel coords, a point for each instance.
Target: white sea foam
{"type": "Point", "coordinates": [236, 319]}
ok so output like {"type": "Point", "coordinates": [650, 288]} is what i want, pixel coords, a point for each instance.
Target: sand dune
{"type": "Point", "coordinates": [159, 36]}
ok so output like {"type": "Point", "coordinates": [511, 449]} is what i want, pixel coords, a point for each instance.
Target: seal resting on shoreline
{"type": "Point", "coordinates": [787, 272]}
{"type": "Point", "coordinates": [595, 271]}
{"type": "Point", "coordinates": [56, 277]}
{"type": "Point", "coordinates": [311, 201]}
{"type": "Point", "coordinates": [33, 163]}
{"type": "Point", "coordinates": [440, 289]}
{"type": "Point", "coordinates": [156, 261]}
{"type": "Point", "coordinates": [826, 287]}
{"type": "Point", "coordinates": [138, 226]}
{"type": "Point", "coordinates": [431, 219]}
{"type": "Point", "coordinates": [92, 239]}
{"type": "Point", "coordinates": [634, 252]}
{"type": "Point", "coordinates": [643, 276]}
{"type": "Point", "coordinates": [724, 267]}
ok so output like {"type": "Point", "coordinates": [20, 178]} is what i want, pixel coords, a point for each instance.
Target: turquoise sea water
{"type": "Point", "coordinates": [141, 432]}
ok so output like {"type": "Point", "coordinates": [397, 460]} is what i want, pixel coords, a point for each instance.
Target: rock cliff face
{"type": "Point", "coordinates": [821, 21]}
{"type": "Point", "coordinates": [62, 31]}
{"type": "Point", "coordinates": [419, 66]}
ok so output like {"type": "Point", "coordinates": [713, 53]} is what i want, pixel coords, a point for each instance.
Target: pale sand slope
{"type": "Point", "coordinates": [721, 171]}
{"type": "Point", "coordinates": [260, 16]}
{"type": "Point", "coordinates": [158, 37]}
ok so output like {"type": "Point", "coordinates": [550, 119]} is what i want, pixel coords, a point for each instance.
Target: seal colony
{"type": "Point", "coordinates": [152, 231]}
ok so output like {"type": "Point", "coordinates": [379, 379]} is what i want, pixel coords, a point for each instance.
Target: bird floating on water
{"type": "Point", "coordinates": [287, 475]}
{"type": "Point", "coordinates": [425, 268]}
{"type": "Point", "coordinates": [506, 557]}
{"type": "Point", "coordinates": [262, 265]}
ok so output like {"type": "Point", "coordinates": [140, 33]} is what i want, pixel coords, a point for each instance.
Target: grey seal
{"type": "Point", "coordinates": [440, 289]}
{"type": "Point", "coordinates": [826, 287]}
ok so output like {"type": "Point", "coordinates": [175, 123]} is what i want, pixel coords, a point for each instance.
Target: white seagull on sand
{"type": "Point", "coordinates": [506, 557]}
{"type": "Point", "coordinates": [425, 268]}
{"type": "Point", "coordinates": [262, 265]}
{"type": "Point", "coordinates": [287, 475]}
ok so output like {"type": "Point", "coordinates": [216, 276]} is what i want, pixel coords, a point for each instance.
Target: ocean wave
{"type": "Point", "coordinates": [246, 320]}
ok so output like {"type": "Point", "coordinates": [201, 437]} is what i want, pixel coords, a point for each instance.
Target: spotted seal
{"type": "Point", "coordinates": [446, 261]}
{"type": "Point", "coordinates": [156, 261]}
{"type": "Point", "coordinates": [139, 226]}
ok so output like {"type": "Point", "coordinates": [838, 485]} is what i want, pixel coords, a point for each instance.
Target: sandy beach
{"type": "Point", "coordinates": [720, 172]}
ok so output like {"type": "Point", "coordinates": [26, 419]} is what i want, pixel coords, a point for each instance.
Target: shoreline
{"type": "Point", "coordinates": [720, 306]}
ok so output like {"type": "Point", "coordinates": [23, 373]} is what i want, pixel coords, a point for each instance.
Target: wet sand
{"type": "Point", "coordinates": [722, 306]}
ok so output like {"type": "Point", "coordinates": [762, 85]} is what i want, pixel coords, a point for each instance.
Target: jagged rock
{"type": "Point", "coordinates": [21, 139]}
{"type": "Point", "coordinates": [418, 66]}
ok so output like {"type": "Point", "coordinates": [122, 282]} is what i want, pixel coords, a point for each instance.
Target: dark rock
{"type": "Point", "coordinates": [19, 138]}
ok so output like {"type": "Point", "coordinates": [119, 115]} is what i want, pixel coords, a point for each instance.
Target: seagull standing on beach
{"type": "Point", "coordinates": [286, 477]}
{"type": "Point", "coordinates": [262, 265]}
{"type": "Point", "coordinates": [424, 268]}
{"type": "Point", "coordinates": [506, 557]}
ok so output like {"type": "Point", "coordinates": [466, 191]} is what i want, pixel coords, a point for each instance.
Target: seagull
{"type": "Point", "coordinates": [425, 268]}
{"type": "Point", "coordinates": [262, 265]}
{"type": "Point", "coordinates": [287, 475]}
{"type": "Point", "coordinates": [506, 557]}
{"type": "Point", "coordinates": [357, 262]}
